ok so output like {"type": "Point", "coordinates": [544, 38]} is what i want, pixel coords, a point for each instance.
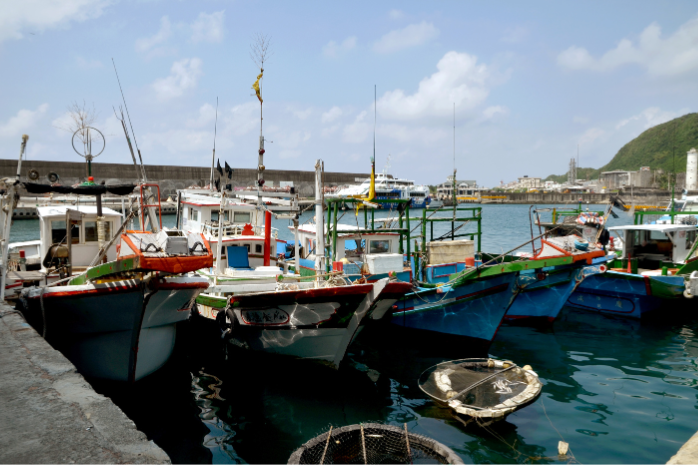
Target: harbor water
{"type": "Point", "coordinates": [618, 391]}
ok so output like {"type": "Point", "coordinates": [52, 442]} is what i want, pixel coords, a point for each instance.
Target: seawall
{"type": "Point", "coordinates": [171, 178]}
{"type": "Point", "coordinates": [50, 414]}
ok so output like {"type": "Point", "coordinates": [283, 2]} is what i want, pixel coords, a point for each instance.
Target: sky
{"type": "Point", "coordinates": [531, 82]}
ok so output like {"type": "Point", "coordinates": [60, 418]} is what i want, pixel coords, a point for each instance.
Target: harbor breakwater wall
{"type": "Point", "coordinates": [654, 198]}
{"type": "Point", "coordinates": [171, 178]}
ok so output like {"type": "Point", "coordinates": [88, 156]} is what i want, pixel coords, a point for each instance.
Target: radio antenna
{"type": "Point", "coordinates": [213, 158]}
{"type": "Point", "coordinates": [129, 117]}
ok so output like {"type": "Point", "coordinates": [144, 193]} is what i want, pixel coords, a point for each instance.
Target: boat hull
{"type": "Point", "coordinates": [625, 294]}
{"type": "Point", "coordinates": [543, 300]}
{"type": "Point", "coordinates": [469, 314]}
{"type": "Point", "coordinates": [316, 324]}
{"type": "Point", "coordinates": [121, 331]}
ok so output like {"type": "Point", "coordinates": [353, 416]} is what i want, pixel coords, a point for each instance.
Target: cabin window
{"type": "Point", "coordinates": [258, 248]}
{"type": "Point", "coordinates": [91, 231]}
{"type": "Point", "coordinates": [193, 214]}
{"type": "Point", "coordinates": [60, 234]}
{"type": "Point", "coordinates": [690, 239]}
{"type": "Point", "coordinates": [226, 215]}
{"type": "Point", "coordinates": [379, 246]}
{"type": "Point", "coordinates": [214, 215]}
{"type": "Point", "coordinates": [242, 217]}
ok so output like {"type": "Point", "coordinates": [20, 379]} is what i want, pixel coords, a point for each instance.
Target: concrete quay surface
{"type": "Point", "coordinates": [50, 414]}
{"type": "Point", "coordinates": [688, 452]}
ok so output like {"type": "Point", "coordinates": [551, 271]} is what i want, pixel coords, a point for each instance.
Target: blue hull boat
{"type": "Point", "coordinates": [626, 294]}
{"type": "Point", "coordinates": [471, 312]}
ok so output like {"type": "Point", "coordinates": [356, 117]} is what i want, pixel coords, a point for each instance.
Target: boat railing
{"type": "Point", "coordinates": [234, 229]}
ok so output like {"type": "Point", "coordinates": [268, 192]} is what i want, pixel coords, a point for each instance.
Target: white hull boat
{"type": "Point", "coordinates": [122, 330]}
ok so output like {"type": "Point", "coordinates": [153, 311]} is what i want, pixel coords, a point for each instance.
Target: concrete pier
{"type": "Point", "coordinates": [50, 414]}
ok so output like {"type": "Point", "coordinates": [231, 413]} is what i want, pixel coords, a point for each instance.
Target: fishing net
{"type": "Point", "coordinates": [376, 443]}
{"type": "Point", "coordinates": [481, 387]}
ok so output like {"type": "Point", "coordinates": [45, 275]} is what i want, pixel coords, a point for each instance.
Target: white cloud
{"type": "Point", "coordinates": [63, 123]}
{"type": "Point", "coordinates": [651, 117]}
{"type": "Point", "coordinates": [357, 131]}
{"type": "Point", "coordinates": [206, 116]}
{"type": "Point", "coordinates": [241, 119]}
{"type": "Point", "coordinates": [396, 14]}
{"type": "Point", "coordinates": [327, 132]}
{"type": "Point", "coordinates": [22, 121]}
{"type": "Point", "coordinates": [208, 27]}
{"type": "Point", "coordinates": [145, 44]}
{"type": "Point", "coordinates": [302, 114]}
{"type": "Point", "coordinates": [411, 36]}
{"type": "Point", "coordinates": [333, 49]}
{"type": "Point", "coordinates": [495, 111]}
{"type": "Point", "coordinates": [409, 134]}
{"type": "Point", "coordinates": [331, 114]}
{"type": "Point", "coordinates": [184, 75]}
{"type": "Point", "coordinates": [459, 79]}
{"type": "Point", "coordinates": [19, 17]}
{"type": "Point", "coordinates": [669, 56]}
{"type": "Point", "coordinates": [591, 135]}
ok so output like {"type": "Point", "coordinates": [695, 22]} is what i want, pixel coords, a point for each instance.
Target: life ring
{"type": "Point", "coordinates": [52, 177]}
{"type": "Point", "coordinates": [603, 268]}
{"type": "Point", "coordinates": [33, 175]}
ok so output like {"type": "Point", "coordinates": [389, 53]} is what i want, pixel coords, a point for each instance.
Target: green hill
{"type": "Point", "coordinates": [652, 148]}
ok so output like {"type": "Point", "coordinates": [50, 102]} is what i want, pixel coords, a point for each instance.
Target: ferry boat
{"type": "Point", "coordinates": [389, 188]}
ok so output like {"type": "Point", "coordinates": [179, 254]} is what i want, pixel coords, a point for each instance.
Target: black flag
{"type": "Point", "coordinates": [228, 170]}
{"type": "Point", "coordinates": [229, 187]}
{"type": "Point", "coordinates": [218, 185]}
{"type": "Point", "coordinates": [218, 168]}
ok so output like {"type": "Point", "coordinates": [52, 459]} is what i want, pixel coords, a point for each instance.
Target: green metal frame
{"type": "Point", "coordinates": [404, 228]}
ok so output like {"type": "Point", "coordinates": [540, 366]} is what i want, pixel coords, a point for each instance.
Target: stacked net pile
{"type": "Point", "coordinates": [375, 444]}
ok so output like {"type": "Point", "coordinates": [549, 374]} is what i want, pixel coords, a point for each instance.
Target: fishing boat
{"type": "Point", "coordinates": [481, 390]}
{"type": "Point", "coordinates": [238, 223]}
{"type": "Point", "coordinates": [651, 270]}
{"type": "Point", "coordinates": [117, 320]}
{"type": "Point", "coordinates": [460, 295]}
{"type": "Point", "coordinates": [546, 290]}
{"type": "Point", "coordinates": [281, 314]}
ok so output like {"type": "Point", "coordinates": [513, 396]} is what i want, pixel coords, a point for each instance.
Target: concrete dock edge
{"type": "Point", "coordinates": [688, 452]}
{"type": "Point", "coordinates": [50, 414]}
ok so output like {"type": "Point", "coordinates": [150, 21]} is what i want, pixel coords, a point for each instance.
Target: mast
{"type": "Point", "coordinates": [319, 223]}
{"type": "Point", "coordinates": [455, 191]}
{"type": "Point", "coordinates": [10, 199]}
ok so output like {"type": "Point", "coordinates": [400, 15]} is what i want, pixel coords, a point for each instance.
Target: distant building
{"type": "Point", "coordinates": [467, 188]}
{"type": "Point", "coordinates": [530, 183]}
{"type": "Point", "coordinates": [619, 178]}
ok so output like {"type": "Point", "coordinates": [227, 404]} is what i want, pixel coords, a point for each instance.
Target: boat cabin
{"type": "Point", "coordinates": [84, 245]}
{"type": "Point", "coordinates": [657, 245]}
{"type": "Point", "coordinates": [376, 253]}
{"type": "Point", "coordinates": [243, 224]}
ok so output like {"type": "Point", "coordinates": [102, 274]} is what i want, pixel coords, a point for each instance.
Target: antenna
{"type": "Point", "coordinates": [129, 116]}
{"type": "Point", "coordinates": [374, 122]}
{"type": "Point", "coordinates": [213, 158]}
{"type": "Point", "coordinates": [454, 138]}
